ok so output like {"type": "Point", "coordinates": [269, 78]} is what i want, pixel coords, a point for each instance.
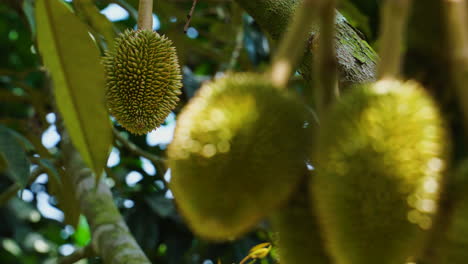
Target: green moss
{"type": "Point", "coordinates": [381, 156]}
{"type": "Point", "coordinates": [143, 80]}
{"type": "Point", "coordinates": [238, 151]}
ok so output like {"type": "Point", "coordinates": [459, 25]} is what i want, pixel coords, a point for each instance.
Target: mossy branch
{"type": "Point", "coordinates": [356, 59]}
{"type": "Point", "coordinates": [111, 238]}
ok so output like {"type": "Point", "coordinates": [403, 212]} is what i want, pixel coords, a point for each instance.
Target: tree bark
{"type": "Point", "coordinates": [356, 59]}
{"type": "Point", "coordinates": [111, 238]}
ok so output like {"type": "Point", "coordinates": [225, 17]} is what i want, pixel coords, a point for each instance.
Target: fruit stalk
{"type": "Point", "coordinates": [145, 15]}
{"type": "Point", "coordinates": [292, 45]}
{"type": "Point", "coordinates": [457, 38]}
{"type": "Point", "coordinates": [392, 31]}
{"type": "Point", "coordinates": [325, 70]}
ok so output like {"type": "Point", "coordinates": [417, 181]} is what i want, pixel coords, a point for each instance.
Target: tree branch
{"type": "Point", "coordinates": [111, 238]}
{"type": "Point", "coordinates": [356, 59]}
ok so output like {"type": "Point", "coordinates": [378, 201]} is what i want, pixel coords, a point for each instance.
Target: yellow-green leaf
{"type": "Point", "coordinates": [78, 76]}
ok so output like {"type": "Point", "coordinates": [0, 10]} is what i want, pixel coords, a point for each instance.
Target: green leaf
{"type": "Point", "coordinates": [97, 21]}
{"type": "Point", "coordinates": [28, 9]}
{"type": "Point", "coordinates": [82, 235]}
{"type": "Point", "coordinates": [14, 157]}
{"type": "Point", "coordinates": [62, 188]}
{"type": "Point", "coordinates": [78, 76]}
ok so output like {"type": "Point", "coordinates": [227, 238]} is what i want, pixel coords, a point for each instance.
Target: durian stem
{"type": "Point", "coordinates": [293, 43]}
{"type": "Point", "coordinates": [158, 162]}
{"type": "Point", "coordinates": [325, 68]}
{"type": "Point", "coordinates": [457, 38]}
{"type": "Point", "coordinates": [392, 32]}
{"type": "Point", "coordinates": [145, 15]}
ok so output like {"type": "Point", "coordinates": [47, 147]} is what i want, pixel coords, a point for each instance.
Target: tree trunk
{"type": "Point", "coordinates": [356, 59]}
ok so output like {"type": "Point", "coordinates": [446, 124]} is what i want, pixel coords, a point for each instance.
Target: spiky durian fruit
{"type": "Point", "coordinates": [452, 247]}
{"type": "Point", "coordinates": [143, 80]}
{"type": "Point", "coordinates": [380, 158]}
{"type": "Point", "coordinates": [238, 151]}
{"type": "Point", "coordinates": [297, 232]}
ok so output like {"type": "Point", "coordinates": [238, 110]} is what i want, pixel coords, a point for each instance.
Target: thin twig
{"type": "Point", "coordinates": [11, 191]}
{"type": "Point", "coordinates": [457, 40]}
{"type": "Point", "coordinates": [189, 16]}
{"type": "Point", "coordinates": [145, 15]}
{"type": "Point", "coordinates": [79, 254]}
{"type": "Point", "coordinates": [158, 162]}
{"type": "Point", "coordinates": [325, 67]}
{"type": "Point", "coordinates": [392, 32]}
{"type": "Point", "coordinates": [292, 45]}
{"type": "Point", "coordinates": [237, 48]}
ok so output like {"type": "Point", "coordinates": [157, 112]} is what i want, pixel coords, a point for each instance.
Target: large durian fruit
{"type": "Point", "coordinates": [143, 80]}
{"type": "Point", "coordinates": [238, 152]}
{"type": "Point", "coordinates": [452, 247]}
{"type": "Point", "coordinates": [298, 237]}
{"type": "Point", "coordinates": [381, 154]}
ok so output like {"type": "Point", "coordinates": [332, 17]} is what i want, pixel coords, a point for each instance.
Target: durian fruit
{"type": "Point", "coordinates": [298, 237]}
{"type": "Point", "coordinates": [381, 154]}
{"type": "Point", "coordinates": [143, 80]}
{"type": "Point", "coordinates": [238, 151]}
{"type": "Point", "coordinates": [452, 248]}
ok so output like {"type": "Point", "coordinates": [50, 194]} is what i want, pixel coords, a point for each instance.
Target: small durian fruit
{"type": "Point", "coordinates": [143, 80]}
{"type": "Point", "coordinates": [381, 155]}
{"type": "Point", "coordinates": [238, 152]}
{"type": "Point", "coordinates": [452, 248]}
{"type": "Point", "coordinates": [297, 234]}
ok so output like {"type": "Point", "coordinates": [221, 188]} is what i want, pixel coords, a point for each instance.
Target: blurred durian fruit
{"type": "Point", "coordinates": [297, 233]}
{"type": "Point", "coordinates": [238, 152]}
{"type": "Point", "coordinates": [143, 80]}
{"type": "Point", "coordinates": [381, 155]}
{"type": "Point", "coordinates": [452, 248]}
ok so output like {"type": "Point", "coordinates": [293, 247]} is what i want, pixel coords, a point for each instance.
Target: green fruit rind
{"type": "Point", "coordinates": [238, 151]}
{"type": "Point", "coordinates": [143, 80]}
{"type": "Point", "coordinates": [298, 236]}
{"type": "Point", "coordinates": [381, 155]}
{"type": "Point", "coordinates": [452, 247]}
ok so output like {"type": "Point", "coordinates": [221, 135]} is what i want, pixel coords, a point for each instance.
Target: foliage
{"type": "Point", "coordinates": [41, 217]}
